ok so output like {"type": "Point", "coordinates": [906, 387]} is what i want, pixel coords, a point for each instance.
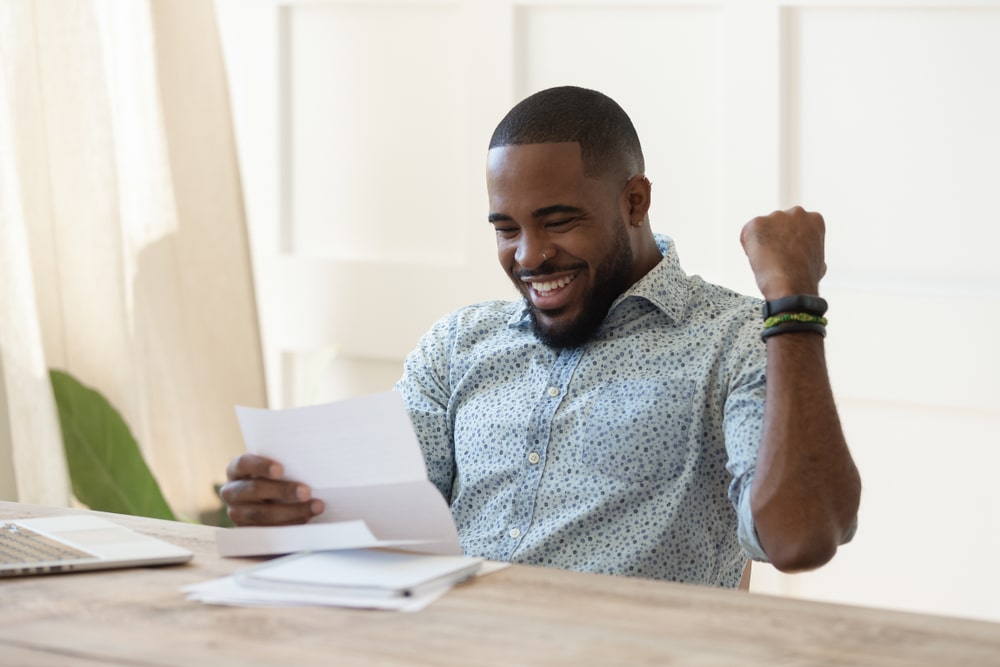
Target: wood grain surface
{"type": "Point", "coordinates": [518, 616]}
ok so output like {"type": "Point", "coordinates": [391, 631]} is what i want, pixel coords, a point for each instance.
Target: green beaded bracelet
{"type": "Point", "coordinates": [775, 320]}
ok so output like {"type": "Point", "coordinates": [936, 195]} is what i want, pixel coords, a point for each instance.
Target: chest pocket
{"type": "Point", "coordinates": [635, 431]}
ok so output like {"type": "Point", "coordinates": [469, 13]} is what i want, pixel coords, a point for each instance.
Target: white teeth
{"type": "Point", "coordinates": [554, 284]}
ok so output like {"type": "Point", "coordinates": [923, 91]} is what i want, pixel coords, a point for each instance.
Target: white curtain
{"type": "Point", "coordinates": [124, 252]}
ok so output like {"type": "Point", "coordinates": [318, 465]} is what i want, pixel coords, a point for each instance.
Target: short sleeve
{"type": "Point", "coordinates": [743, 425]}
{"type": "Point", "coordinates": [426, 390]}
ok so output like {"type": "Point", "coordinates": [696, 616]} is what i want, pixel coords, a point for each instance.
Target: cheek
{"type": "Point", "coordinates": [505, 254]}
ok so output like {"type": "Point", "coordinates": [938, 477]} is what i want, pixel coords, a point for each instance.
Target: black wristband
{"type": "Point", "coordinates": [793, 327]}
{"type": "Point", "coordinates": [799, 303]}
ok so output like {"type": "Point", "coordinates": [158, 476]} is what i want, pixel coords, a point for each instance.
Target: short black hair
{"type": "Point", "coordinates": [607, 138]}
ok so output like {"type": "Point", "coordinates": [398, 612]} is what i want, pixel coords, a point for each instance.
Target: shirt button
{"type": "Point", "coordinates": [515, 532]}
{"type": "Point", "coordinates": [534, 458]}
{"type": "Point", "coordinates": [553, 391]}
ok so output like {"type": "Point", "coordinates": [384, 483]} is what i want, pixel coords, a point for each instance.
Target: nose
{"type": "Point", "coordinates": [532, 252]}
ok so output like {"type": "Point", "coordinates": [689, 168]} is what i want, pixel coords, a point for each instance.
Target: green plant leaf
{"type": "Point", "coordinates": [106, 467]}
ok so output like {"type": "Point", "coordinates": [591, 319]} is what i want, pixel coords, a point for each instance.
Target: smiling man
{"type": "Point", "coordinates": [623, 417]}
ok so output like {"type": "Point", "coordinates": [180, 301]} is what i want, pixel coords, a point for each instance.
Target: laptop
{"type": "Point", "coordinates": [78, 542]}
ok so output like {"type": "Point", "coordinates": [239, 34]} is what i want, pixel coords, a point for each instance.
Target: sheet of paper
{"type": "Point", "coordinates": [358, 442]}
{"type": "Point", "coordinates": [362, 458]}
{"type": "Point", "coordinates": [263, 541]}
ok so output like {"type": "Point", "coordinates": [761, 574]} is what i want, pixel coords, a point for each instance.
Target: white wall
{"type": "Point", "coordinates": [363, 127]}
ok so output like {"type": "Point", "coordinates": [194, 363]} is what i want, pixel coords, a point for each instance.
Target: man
{"type": "Point", "coordinates": [624, 418]}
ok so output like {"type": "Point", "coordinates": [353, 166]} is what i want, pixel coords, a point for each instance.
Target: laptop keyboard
{"type": "Point", "coordinates": [22, 545]}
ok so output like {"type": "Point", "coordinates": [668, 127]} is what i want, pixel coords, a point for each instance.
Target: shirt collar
{"type": "Point", "coordinates": [665, 284]}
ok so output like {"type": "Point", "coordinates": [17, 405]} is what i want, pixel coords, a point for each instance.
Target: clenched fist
{"type": "Point", "coordinates": [785, 250]}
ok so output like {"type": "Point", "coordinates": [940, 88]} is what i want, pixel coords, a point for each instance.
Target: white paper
{"type": "Point", "coordinates": [372, 572]}
{"type": "Point", "coordinates": [227, 591]}
{"type": "Point", "coordinates": [358, 442]}
{"type": "Point", "coordinates": [362, 458]}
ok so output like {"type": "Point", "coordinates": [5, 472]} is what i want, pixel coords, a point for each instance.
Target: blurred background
{"type": "Point", "coordinates": [265, 203]}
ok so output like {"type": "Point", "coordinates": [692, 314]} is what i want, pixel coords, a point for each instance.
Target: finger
{"type": "Point", "coordinates": [246, 466]}
{"type": "Point", "coordinates": [259, 490]}
{"type": "Point", "coordinates": [273, 514]}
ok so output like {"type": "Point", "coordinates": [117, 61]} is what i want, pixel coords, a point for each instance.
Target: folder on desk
{"type": "Point", "coordinates": [362, 458]}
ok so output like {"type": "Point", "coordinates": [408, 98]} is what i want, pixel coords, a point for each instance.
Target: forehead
{"type": "Point", "coordinates": [534, 160]}
{"type": "Point", "coordinates": [536, 170]}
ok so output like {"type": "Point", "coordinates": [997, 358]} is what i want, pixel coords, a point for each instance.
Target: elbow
{"type": "Point", "coordinates": [810, 543]}
{"type": "Point", "coordinates": [804, 549]}
{"type": "Point", "coordinates": [801, 555]}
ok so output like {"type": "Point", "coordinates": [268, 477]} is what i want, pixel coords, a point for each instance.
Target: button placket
{"type": "Point", "coordinates": [538, 436]}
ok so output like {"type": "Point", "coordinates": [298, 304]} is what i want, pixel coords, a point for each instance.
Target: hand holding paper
{"type": "Point", "coordinates": [362, 458]}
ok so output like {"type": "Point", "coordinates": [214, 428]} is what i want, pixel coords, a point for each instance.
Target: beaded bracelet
{"type": "Point", "coordinates": [810, 318]}
{"type": "Point", "coordinates": [792, 326]}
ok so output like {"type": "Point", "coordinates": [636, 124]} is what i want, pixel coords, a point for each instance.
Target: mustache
{"type": "Point", "coordinates": [546, 269]}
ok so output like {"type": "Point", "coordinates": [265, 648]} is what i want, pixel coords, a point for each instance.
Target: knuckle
{"type": "Point", "coordinates": [232, 470]}
{"type": "Point", "coordinates": [240, 467]}
{"type": "Point", "coordinates": [226, 492]}
{"type": "Point", "coordinates": [253, 515]}
{"type": "Point", "coordinates": [238, 515]}
{"type": "Point", "coordinates": [250, 515]}
{"type": "Point", "coordinates": [241, 491]}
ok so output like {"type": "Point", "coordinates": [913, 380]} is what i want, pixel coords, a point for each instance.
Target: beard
{"type": "Point", "coordinates": [611, 279]}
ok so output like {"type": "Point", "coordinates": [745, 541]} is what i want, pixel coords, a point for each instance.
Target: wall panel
{"type": "Point", "coordinates": [376, 142]}
{"type": "Point", "coordinates": [895, 119]}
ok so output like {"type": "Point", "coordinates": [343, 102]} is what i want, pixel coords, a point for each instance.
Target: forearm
{"type": "Point", "coordinates": [806, 487]}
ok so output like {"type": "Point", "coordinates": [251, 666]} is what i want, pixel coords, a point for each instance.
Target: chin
{"type": "Point", "coordinates": [561, 336]}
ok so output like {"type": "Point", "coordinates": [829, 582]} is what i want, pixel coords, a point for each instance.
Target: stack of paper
{"type": "Point", "coordinates": [366, 578]}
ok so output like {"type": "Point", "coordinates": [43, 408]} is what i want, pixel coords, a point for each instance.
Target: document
{"type": "Point", "coordinates": [360, 572]}
{"type": "Point", "coordinates": [362, 458]}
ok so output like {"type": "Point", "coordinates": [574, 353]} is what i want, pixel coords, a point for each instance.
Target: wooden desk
{"type": "Point", "coordinates": [519, 616]}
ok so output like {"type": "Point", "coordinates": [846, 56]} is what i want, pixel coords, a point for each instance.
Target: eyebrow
{"type": "Point", "coordinates": [537, 213]}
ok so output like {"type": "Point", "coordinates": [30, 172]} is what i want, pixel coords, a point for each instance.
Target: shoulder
{"type": "Point", "coordinates": [717, 299]}
{"type": "Point", "coordinates": [462, 337]}
{"type": "Point", "coordinates": [477, 317]}
{"type": "Point", "coordinates": [738, 313]}
{"type": "Point", "coordinates": [474, 324]}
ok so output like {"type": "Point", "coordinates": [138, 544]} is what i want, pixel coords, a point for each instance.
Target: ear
{"type": "Point", "coordinates": [638, 191]}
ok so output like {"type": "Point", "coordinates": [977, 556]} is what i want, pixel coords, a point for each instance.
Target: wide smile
{"type": "Point", "coordinates": [550, 293]}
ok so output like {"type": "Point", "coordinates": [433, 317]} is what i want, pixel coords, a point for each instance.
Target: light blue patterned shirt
{"type": "Point", "coordinates": [631, 455]}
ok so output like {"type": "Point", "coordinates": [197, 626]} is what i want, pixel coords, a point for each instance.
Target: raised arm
{"type": "Point", "coordinates": [806, 488]}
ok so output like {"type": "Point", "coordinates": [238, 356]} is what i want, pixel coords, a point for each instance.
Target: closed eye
{"type": "Point", "coordinates": [506, 232]}
{"type": "Point", "coordinates": [563, 221]}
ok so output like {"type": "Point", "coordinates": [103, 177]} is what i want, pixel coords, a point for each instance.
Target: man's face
{"type": "Point", "coordinates": [561, 237]}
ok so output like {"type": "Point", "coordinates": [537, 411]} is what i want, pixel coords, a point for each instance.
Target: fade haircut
{"type": "Point", "coordinates": [608, 140]}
